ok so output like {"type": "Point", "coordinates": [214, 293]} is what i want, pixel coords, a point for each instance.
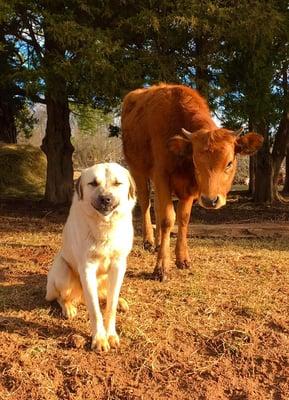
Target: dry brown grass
{"type": "Point", "coordinates": [92, 149]}
{"type": "Point", "coordinates": [218, 331]}
{"type": "Point", "coordinates": [22, 171]}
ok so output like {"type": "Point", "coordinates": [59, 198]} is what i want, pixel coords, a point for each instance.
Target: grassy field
{"type": "Point", "coordinates": [217, 331]}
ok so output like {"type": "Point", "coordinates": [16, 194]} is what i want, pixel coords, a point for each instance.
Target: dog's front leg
{"type": "Point", "coordinates": [89, 287]}
{"type": "Point", "coordinates": [115, 277]}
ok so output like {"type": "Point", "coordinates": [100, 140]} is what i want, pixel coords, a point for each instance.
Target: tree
{"type": "Point", "coordinates": [10, 104]}
{"type": "Point", "coordinates": [68, 61]}
{"type": "Point", "coordinates": [254, 54]}
{"type": "Point", "coordinates": [91, 53]}
{"type": "Point", "coordinates": [77, 52]}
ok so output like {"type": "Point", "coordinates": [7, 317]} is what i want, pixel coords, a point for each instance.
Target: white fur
{"type": "Point", "coordinates": [92, 260]}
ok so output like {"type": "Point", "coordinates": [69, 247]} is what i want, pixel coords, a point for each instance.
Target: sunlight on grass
{"type": "Point", "coordinates": [215, 330]}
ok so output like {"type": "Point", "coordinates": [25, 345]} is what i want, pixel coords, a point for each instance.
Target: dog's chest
{"type": "Point", "coordinates": [102, 254]}
{"type": "Point", "coordinates": [108, 244]}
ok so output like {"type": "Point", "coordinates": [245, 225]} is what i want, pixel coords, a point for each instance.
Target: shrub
{"type": "Point", "coordinates": [22, 171]}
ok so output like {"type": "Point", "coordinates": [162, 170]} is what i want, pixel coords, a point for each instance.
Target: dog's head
{"type": "Point", "coordinates": [106, 189]}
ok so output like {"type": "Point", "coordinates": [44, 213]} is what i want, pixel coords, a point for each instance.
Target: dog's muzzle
{"type": "Point", "coordinates": [104, 204]}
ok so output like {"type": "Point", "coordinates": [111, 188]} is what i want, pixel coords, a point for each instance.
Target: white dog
{"type": "Point", "coordinates": [97, 239]}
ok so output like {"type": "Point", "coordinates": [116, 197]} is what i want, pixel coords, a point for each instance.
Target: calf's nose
{"type": "Point", "coordinates": [209, 202]}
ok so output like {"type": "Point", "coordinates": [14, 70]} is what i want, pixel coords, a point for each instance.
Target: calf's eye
{"type": "Point", "coordinates": [229, 165]}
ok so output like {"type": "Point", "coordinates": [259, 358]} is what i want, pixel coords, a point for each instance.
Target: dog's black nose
{"type": "Point", "coordinates": [105, 200]}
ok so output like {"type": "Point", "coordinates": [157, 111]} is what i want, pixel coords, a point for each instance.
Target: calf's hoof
{"type": "Point", "coordinates": [157, 248]}
{"type": "Point", "coordinates": [159, 274]}
{"type": "Point", "coordinates": [185, 264]}
{"type": "Point", "coordinates": [148, 246]}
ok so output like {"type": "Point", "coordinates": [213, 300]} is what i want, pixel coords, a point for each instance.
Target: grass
{"type": "Point", "coordinates": [23, 171]}
{"type": "Point", "coordinates": [217, 331]}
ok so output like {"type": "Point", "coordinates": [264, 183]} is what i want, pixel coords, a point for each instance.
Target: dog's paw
{"type": "Point", "coordinates": [113, 341]}
{"type": "Point", "coordinates": [100, 343]}
{"type": "Point", "coordinates": [122, 304]}
{"type": "Point", "coordinates": [69, 311]}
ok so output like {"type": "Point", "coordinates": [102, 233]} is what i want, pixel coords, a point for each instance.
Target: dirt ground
{"type": "Point", "coordinates": [217, 331]}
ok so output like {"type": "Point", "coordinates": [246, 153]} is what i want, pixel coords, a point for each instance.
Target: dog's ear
{"type": "Point", "coordinates": [79, 189]}
{"type": "Point", "coordinates": [132, 187]}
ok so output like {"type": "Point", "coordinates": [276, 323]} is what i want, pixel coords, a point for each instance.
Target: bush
{"type": "Point", "coordinates": [91, 149]}
{"type": "Point", "coordinates": [22, 171]}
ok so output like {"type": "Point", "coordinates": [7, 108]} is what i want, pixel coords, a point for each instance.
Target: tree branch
{"type": "Point", "coordinates": [36, 46]}
{"type": "Point", "coordinates": [33, 97]}
{"type": "Point", "coordinates": [33, 42]}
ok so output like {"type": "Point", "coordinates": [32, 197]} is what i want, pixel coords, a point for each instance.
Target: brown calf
{"type": "Point", "coordinates": [170, 138]}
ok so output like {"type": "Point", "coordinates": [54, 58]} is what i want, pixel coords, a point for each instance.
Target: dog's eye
{"type": "Point", "coordinates": [116, 183]}
{"type": "Point", "coordinates": [94, 183]}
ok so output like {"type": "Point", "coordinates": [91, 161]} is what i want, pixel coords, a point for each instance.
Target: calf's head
{"type": "Point", "coordinates": [213, 156]}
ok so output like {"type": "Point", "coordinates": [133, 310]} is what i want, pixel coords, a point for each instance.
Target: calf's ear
{"type": "Point", "coordinates": [180, 146]}
{"type": "Point", "coordinates": [79, 189]}
{"type": "Point", "coordinates": [249, 144]}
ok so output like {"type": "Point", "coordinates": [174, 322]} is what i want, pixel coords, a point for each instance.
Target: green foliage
{"type": "Point", "coordinates": [25, 121]}
{"type": "Point", "coordinates": [90, 119]}
{"type": "Point", "coordinates": [232, 51]}
{"type": "Point", "coordinates": [250, 59]}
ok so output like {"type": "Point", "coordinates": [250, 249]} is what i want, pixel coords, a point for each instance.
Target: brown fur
{"type": "Point", "coordinates": [192, 167]}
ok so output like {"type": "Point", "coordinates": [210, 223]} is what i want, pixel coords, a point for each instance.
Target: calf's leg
{"type": "Point", "coordinates": [183, 217]}
{"type": "Point", "coordinates": [158, 223]}
{"type": "Point", "coordinates": [143, 195]}
{"type": "Point", "coordinates": [166, 219]}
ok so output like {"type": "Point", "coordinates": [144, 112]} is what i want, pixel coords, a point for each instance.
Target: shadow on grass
{"type": "Point", "coordinates": [26, 296]}
{"type": "Point", "coordinates": [32, 211]}
{"type": "Point", "coordinates": [25, 328]}
{"type": "Point", "coordinates": [144, 275]}
{"type": "Point", "coordinates": [20, 245]}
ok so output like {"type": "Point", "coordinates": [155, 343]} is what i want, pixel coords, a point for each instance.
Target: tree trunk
{"type": "Point", "coordinates": [7, 122]}
{"type": "Point", "coordinates": [56, 143]}
{"type": "Point", "coordinates": [279, 150]}
{"type": "Point", "coordinates": [58, 149]}
{"type": "Point", "coordinates": [264, 178]}
{"type": "Point", "coordinates": [286, 183]}
{"type": "Point", "coordinates": [252, 175]}
{"type": "Point", "coordinates": [264, 171]}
